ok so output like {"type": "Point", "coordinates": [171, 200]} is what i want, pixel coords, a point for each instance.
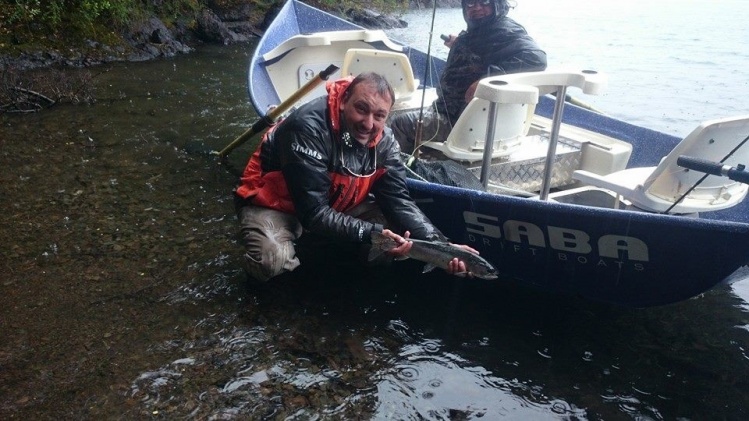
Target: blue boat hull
{"type": "Point", "coordinates": [622, 257]}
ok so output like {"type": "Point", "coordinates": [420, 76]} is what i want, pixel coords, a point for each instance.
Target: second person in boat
{"type": "Point", "coordinates": [493, 44]}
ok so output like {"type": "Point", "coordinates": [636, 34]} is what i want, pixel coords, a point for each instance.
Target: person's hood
{"type": "Point", "coordinates": [499, 10]}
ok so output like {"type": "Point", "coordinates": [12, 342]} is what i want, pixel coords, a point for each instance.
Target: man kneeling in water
{"type": "Point", "coordinates": [331, 170]}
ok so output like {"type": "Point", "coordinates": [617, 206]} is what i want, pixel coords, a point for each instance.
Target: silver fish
{"type": "Point", "coordinates": [436, 254]}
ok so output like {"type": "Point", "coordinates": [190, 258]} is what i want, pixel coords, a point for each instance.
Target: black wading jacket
{"type": "Point", "coordinates": [498, 47]}
{"type": "Point", "coordinates": [304, 167]}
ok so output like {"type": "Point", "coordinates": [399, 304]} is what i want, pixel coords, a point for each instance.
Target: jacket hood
{"type": "Point", "coordinates": [499, 10]}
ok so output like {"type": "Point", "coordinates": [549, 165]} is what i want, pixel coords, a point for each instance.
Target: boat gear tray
{"type": "Point", "coordinates": [524, 168]}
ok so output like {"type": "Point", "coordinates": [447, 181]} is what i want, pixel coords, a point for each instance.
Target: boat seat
{"type": "Point", "coordinates": [393, 66]}
{"type": "Point", "coordinates": [516, 96]}
{"type": "Point", "coordinates": [657, 188]}
{"type": "Point", "coordinates": [318, 39]}
{"type": "Point", "coordinates": [300, 58]}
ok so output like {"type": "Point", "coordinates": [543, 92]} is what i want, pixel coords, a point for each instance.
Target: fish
{"type": "Point", "coordinates": [435, 254]}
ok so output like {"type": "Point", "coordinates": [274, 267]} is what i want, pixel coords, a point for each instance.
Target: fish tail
{"type": "Point", "coordinates": [380, 244]}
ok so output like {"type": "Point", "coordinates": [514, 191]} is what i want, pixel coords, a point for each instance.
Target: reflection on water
{"type": "Point", "coordinates": [122, 295]}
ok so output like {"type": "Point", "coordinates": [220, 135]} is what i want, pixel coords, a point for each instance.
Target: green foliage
{"type": "Point", "coordinates": [24, 11]}
{"type": "Point", "coordinates": [53, 23]}
{"type": "Point", "coordinates": [55, 14]}
{"type": "Point", "coordinates": [59, 15]}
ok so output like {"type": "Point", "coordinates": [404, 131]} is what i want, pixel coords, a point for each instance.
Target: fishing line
{"type": "Point", "coordinates": [420, 122]}
{"type": "Point", "coordinates": [706, 175]}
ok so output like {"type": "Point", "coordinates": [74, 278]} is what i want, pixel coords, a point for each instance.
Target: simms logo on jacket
{"type": "Point", "coordinates": [307, 151]}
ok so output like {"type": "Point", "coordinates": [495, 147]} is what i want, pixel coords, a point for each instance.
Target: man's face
{"type": "Point", "coordinates": [477, 9]}
{"type": "Point", "coordinates": [365, 112]}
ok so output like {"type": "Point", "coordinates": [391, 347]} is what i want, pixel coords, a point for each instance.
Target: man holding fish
{"type": "Point", "coordinates": [331, 172]}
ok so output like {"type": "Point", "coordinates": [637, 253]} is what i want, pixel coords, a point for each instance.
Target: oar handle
{"type": "Point", "coordinates": [304, 90]}
{"type": "Point", "coordinates": [276, 112]}
{"type": "Point", "coordinates": [574, 101]}
{"type": "Point", "coordinates": [714, 168]}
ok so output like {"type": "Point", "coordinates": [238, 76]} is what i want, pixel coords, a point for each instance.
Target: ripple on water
{"type": "Point", "coordinates": [429, 387]}
{"type": "Point", "coordinates": [400, 329]}
{"type": "Point", "coordinates": [227, 359]}
{"type": "Point", "coordinates": [407, 372]}
{"type": "Point", "coordinates": [218, 285]}
{"type": "Point", "coordinates": [427, 382]}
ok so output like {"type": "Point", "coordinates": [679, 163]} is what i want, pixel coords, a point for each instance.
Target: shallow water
{"type": "Point", "coordinates": [122, 296]}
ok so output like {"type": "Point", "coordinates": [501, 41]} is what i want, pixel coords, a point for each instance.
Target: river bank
{"type": "Point", "coordinates": [152, 38]}
{"type": "Point", "coordinates": [36, 78]}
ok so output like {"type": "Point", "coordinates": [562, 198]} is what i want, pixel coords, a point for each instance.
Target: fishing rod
{"type": "Point", "coordinates": [270, 118]}
{"type": "Point", "coordinates": [728, 155]}
{"type": "Point", "coordinates": [420, 121]}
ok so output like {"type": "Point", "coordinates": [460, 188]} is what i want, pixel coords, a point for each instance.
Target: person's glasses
{"type": "Point", "coordinates": [471, 3]}
{"type": "Point", "coordinates": [355, 174]}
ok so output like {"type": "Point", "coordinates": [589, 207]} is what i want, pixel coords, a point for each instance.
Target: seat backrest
{"type": "Point", "coordinates": [391, 65]}
{"type": "Point", "coordinates": [300, 58]}
{"type": "Point", "coordinates": [468, 136]}
{"type": "Point", "coordinates": [516, 96]}
{"type": "Point", "coordinates": [713, 140]}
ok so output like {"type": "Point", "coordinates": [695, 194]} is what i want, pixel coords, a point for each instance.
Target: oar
{"type": "Point", "coordinates": [574, 101]}
{"type": "Point", "coordinates": [276, 112]}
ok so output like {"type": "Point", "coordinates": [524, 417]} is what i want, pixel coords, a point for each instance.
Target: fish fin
{"type": "Point", "coordinates": [380, 244]}
{"type": "Point", "coordinates": [428, 268]}
{"type": "Point", "coordinates": [374, 253]}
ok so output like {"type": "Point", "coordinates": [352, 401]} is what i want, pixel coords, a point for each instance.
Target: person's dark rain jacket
{"type": "Point", "coordinates": [304, 167]}
{"type": "Point", "coordinates": [498, 47]}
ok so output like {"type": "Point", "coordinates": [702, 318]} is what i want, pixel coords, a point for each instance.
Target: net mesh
{"type": "Point", "coordinates": [446, 172]}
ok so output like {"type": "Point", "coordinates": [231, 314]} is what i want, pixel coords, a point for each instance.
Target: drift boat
{"type": "Point", "coordinates": [573, 201]}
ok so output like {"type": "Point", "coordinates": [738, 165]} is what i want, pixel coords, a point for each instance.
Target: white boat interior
{"type": "Point", "coordinates": [657, 188]}
{"type": "Point", "coordinates": [514, 151]}
{"type": "Point", "coordinates": [352, 52]}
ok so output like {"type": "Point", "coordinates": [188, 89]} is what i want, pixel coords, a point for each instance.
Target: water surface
{"type": "Point", "coordinates": [671, 63]}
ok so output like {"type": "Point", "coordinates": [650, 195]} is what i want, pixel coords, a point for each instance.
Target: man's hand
{"type": "Point", "coordinates": [449, 40]}
{"type": "Point", "coordinates": [456, 266]}
{"type": "Point", "coordinates": [403, 246]}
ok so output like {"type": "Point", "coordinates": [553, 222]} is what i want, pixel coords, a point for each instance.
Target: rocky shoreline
{"type": "Point", "coordinates": [151, 39]}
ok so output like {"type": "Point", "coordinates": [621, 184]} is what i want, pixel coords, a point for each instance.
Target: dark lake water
{"type": "Point", "coordinates": [122, 297]}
